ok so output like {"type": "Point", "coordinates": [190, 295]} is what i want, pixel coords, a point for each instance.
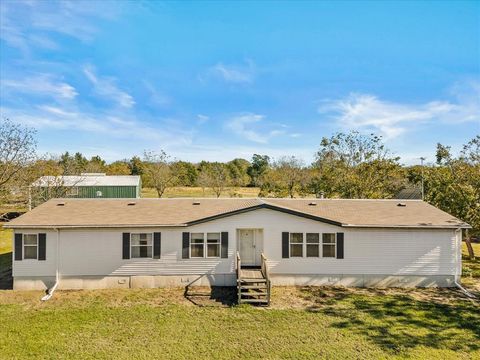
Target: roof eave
{"type": "Point", "coordinates": [91, 226]}
{"type": "Point", "coordinates": [264, 206]}
{"type": "Point", "coordinates": [460, 226]}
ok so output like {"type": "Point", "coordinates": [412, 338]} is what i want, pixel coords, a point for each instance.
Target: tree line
{"type": "Point", "coordinates": [346, 165]}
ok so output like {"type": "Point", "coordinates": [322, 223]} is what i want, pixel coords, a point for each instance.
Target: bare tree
{"type": "Point", "coordinates": [215, 176]}
{"type": "Point", "coordinates": [48, 181]}
{"type": "Point", "coordinates": [17, 153]}
{"type": "Point", "coordinates": [158, 171]}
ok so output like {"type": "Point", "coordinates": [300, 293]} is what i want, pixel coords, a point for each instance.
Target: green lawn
{"type": "Point", "coordinates": [5, 240]}
{"type": "Point", "coordinates": [307, 323]}
{"type": "Point", "coordinates": [186, 191]}
{"type": "Point", "coordinates": [5, 251]}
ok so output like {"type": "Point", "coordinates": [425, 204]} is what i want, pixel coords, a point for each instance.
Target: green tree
{"type": "Point", "coordinates": [356, 166]}
{"type": "Point", "coordinates": [120, 167]}
{"type": "Point", "coordinates": [136, 166]}
{"type": "Point", "coordinates": [258, 167]}
{"type": "Point", "coordinates": [287, 176]}
{"type": "Point", "coordinates": [237, 169]}
{"type": "Point", "coordinates": [95, 165]}
{"type": "Point", "coordinates": [454, 184]}
{"type": "Point", "coordinates": [187, 173]}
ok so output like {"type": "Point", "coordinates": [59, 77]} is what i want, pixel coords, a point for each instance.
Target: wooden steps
{"type": "Point", "coordinates": [253, 285]}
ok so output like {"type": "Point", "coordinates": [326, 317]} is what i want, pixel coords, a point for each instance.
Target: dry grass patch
{"type": "Point", "coordinates": [195, 191]}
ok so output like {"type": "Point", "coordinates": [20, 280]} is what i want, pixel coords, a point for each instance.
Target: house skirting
{"type": "Point", "coordinates": [122, 282]}
{"type": "Point", "coordinates": [158, 281]}
{"type": "Point", "coordinates": [381, 281]}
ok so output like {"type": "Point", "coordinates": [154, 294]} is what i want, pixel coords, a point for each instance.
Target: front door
{"type": "Point", "coordinates": [247, 246]}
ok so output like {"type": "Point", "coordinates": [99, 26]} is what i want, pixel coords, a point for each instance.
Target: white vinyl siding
{"type": "Point", "coordinates": [34, 267]}
{"type": "Point", "coordinates": [366, 251]}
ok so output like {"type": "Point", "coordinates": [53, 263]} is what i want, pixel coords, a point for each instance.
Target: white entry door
{"type": "Point", "coordinates": [247, 246]}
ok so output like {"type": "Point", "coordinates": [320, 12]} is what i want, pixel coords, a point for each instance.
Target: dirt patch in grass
{"type": "Point", "coordinates": [290, 297]}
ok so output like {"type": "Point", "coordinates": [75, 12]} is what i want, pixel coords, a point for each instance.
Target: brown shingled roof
{"type": "Point", "coordinates": [64, 213]}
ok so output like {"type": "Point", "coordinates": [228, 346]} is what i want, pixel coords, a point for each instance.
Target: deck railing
{"type": "Point", "coordinates": [266, 275]}
{"type": "Point", "coordinates": [239, 267]}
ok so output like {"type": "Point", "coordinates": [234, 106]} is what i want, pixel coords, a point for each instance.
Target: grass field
{"type": "Point", "coordinates": [307, 323]}
{"type": "Point", "coordinates": [184, 191]}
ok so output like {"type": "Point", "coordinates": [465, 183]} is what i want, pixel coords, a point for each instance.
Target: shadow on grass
{"type": "Point", "coordinates": [6, 280]}
{"type": "Point", "coordinates": [399, 322]}
{"type": "Point", "coordinates": [214, 296]}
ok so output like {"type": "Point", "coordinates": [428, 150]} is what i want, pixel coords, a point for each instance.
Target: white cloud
{"type": "Point", "coordinates": [234, 73]}
{"type": "Point", "coordinates": [21, 21]}
{"type": "Point", "coordinates": [105, 87]}
{"type": "Point", "coordinates": [202, 119]}
{"type": "Point", "coordinates": [109, 124]}
{"type": "Point", "coordinates": [246, 126]}
{"type": "Point", "coordinates": [40, 85]}
{"type": "Point", "coordinates": [156, 97]}
{"type": "Point", "coordinates": [390, 119]}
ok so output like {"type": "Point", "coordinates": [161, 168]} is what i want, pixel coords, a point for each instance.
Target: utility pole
{"type": "Point", "coordinates": [422, 159]}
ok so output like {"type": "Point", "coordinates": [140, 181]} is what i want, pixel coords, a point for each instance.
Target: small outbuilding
{"type": "Point", "coordinates": [85, 185]}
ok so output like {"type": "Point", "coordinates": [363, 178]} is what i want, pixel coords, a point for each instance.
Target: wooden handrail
{"type": "Point", "coordinates": [266, 275]}
{"type": "Point", "coordinates": [264, 267]}
{"type": "Point", "coordinates": [239, 266]}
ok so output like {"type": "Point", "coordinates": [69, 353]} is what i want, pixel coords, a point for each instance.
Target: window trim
{"type": "Point", "coordinates": [190, 246]}
{"type": "Point", "coordinates": [219, 245]}
{"type": "Point", "coordinates": [334, 244]}
{"type": "Point", "coordinates": [205, 245]}
{"type": "Point", "coordinates": [312, 243]}
{"type": "Point", "coordinates": [23, 246]}
{"type": "Point", "coordinates": [131, 252]}
{"type": "Point", "coordinates": [302, 244]}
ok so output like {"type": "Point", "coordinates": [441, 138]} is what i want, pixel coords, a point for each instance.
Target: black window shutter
{"type": "Point", "coordinates": [185, 245]}
{"type": "Point", "coordinates": [126, 246]}
{"type": "Point", "coordinates": [224, 244]}
{"type": "Point", "coordinates": [340, 246]}
{"type": "Point", "coordinates": [18, 247]}
{"type": "Point", "coordinates": [42, 246]}
{"type": "Point", "coordinates": [157, 245]}
{"type": "Point", "coordinates": [285, 245]}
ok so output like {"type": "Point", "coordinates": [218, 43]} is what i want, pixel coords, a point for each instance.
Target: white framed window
{"type": "Point", "coordinates": [328, 245]}
{"type": "Point", "coordinates": [197, 244]}
{"type": "Point", "coordinates": [313, 244]}
{"type": "Point", "coordinates": [296, 244]}
{"type": "Point", "coordinates": [213, 244]}
{"type": "Point", "coordinates": [30, 246]}
{"type": "Point", "coordinates": [141, 245]}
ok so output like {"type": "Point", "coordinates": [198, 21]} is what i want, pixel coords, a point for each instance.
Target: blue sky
{"type": "Point", "coordinates": [219, 80]}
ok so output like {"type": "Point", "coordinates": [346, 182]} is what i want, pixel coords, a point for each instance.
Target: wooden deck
{"type": "Point", "coordinates": [251, 274]}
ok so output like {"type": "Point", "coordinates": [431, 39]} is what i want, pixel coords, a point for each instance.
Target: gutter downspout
{"type": "Point", "coordinates": [57, 272]}
{"type": "Point", "coordinates": [457, 284]}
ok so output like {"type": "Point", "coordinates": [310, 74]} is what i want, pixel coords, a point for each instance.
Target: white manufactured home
{"type": "Point", "coordinates": [108, 243]}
